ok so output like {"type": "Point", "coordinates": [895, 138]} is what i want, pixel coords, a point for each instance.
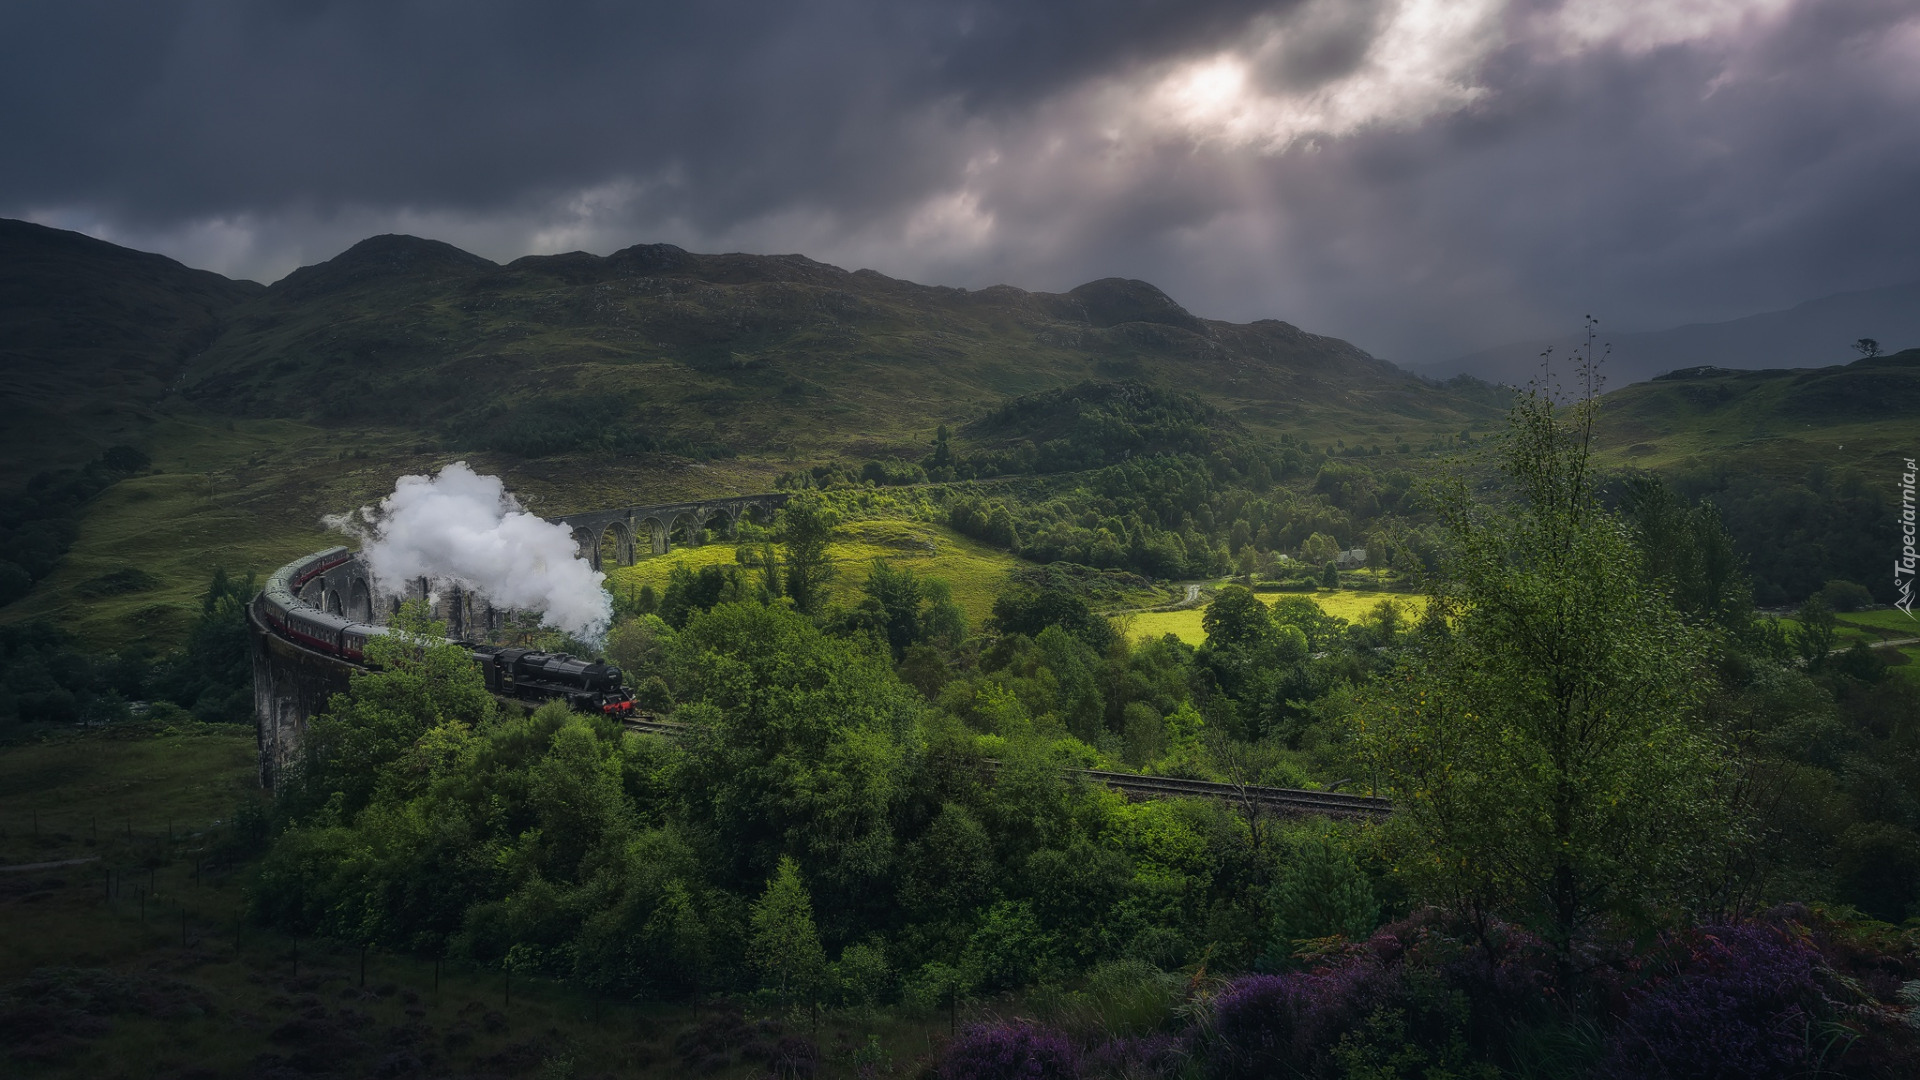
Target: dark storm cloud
{"type": "Point", "coordinates": [1635, 184]}
{"type": "Point", "coordinates": [171, 108]}
{"type": "Point", "coordinates": [206, 107]}
{"type": "Point", "coordinates": [1008, 54]}
{"type": "Point", "coordinates": [1422, 176]}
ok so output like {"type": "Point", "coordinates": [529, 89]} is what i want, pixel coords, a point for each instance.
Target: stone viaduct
{"type": "Point", "coordinates": [610, 538]}
{"type": "Point", "coordinates": [293, 681]}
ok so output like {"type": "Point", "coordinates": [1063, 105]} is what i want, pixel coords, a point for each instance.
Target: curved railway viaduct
{"type": "Point", "coordinates": [292, 682]}
{"type": "Point", "coordinates": [604, 538]}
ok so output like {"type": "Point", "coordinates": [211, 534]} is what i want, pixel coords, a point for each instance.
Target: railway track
{"type": "Point", "coordinates": [1286, 801]}
{"type": "Point", "coordinates": [1282, 800]}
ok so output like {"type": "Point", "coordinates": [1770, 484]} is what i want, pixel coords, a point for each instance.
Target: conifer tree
{"type": "Point", "coordinates": [785, 947]}
{"type": "Point", "coordinates": [1319, 893]}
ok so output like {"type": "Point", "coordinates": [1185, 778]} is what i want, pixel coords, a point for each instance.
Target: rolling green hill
{"type": "Point", "coordinates": [1774, 422]}
{"type": "Point", "coordinates": [650, 374]}
{"type": "Point", "coordinates": [1802, 464]}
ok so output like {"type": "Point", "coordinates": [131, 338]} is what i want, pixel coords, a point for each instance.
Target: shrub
{"type": "Point", "coordinates": [1414, 1000]}
{"type": "Point", "coordinates": [1743, 1004]}
{"type": "Point", "coordinates": [55, 706]}
{"type": "Point", "coordinates": [1274, 1025]}
{"type": "Point", "coordinates": [651, 693]}
{"type": "Point", "coordinates": [1010, 1050]}
{"type": "Point", "coordinates": [1009, 948]}
{"type": "Point", "coordinates": [1845, 595]}
{"type": "Point", "coordinates": [119, 582]}
{"type": "Point", "coordinates": [887, 473]}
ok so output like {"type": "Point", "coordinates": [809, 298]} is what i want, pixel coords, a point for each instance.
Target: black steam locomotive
{"type": "Point", "coordinates": [528, 675]}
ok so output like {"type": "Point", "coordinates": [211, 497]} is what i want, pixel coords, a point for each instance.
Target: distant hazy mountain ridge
{"type": "Point", "coordinates": [1814, 334]}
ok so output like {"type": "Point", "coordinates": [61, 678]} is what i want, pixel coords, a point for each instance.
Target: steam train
{"type": "Point", "coordinates": [527, 675]}
{"type": "Point", "coordinates": [520, 674]}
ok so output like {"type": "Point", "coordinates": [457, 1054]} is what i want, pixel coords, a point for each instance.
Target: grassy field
{"type": "Point", "coordinates": [1873, 627]}
{"type": "Point", "coordinates": [87, 789]}
{"type": "Point", "coordinates": [1352, 605]}
{"type": "Point", "coordinates": [131, 959]}
{"type": "Point", "coordinates": [1886, 622]}
{"type": "Point", "coordinates": [976, 571]}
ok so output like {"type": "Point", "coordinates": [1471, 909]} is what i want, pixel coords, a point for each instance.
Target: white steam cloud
{"type": "Point", "coordinates": [464, 528]}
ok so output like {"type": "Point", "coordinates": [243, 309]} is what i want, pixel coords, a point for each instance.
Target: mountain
{"type": "Point", "coordinates": [751, 354]}
{"type": "Point", "coordinates": [91, 336]}
{"type": "Point", "coordinates": [1817, 331]}
{"type": "Point", "coordinates": [1770, 423]}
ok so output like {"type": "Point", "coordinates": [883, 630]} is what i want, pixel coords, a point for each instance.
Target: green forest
{"type": "Point", "coordinates": [1637, 827]}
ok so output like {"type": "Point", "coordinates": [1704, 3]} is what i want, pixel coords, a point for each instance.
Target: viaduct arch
{"type": "Point", "coordinates": [608, 538]}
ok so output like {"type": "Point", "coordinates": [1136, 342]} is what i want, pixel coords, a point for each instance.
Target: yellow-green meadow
{"type": "Point", "coordinates": [1352, 605]}
{"type": "Point", "coordinates": [975, 570]}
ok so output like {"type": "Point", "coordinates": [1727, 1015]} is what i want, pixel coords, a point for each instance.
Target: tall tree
{"type": "Point", "coordinates": [1688, 552]}
{"type": "Point", "coordinates": [899, 594]}
{"type": "Point", "coordinates": [1540, 744]}
{"type": "Point", "coordinates": [806, 527]}
{"type": "Point", "coordinates": [418, 681]}
{"type": "Point", "coordinates": [797, 744]}
{"type": "Point", "coordinates": [1237, 617]}
{"type": "Point", "coordinates": [1319, 891]}
{"type": "Point", "coordinates": [1818, 632]}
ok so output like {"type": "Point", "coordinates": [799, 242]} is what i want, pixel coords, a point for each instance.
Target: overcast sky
{"type": "Point", "coordinates": [1418, 176]}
